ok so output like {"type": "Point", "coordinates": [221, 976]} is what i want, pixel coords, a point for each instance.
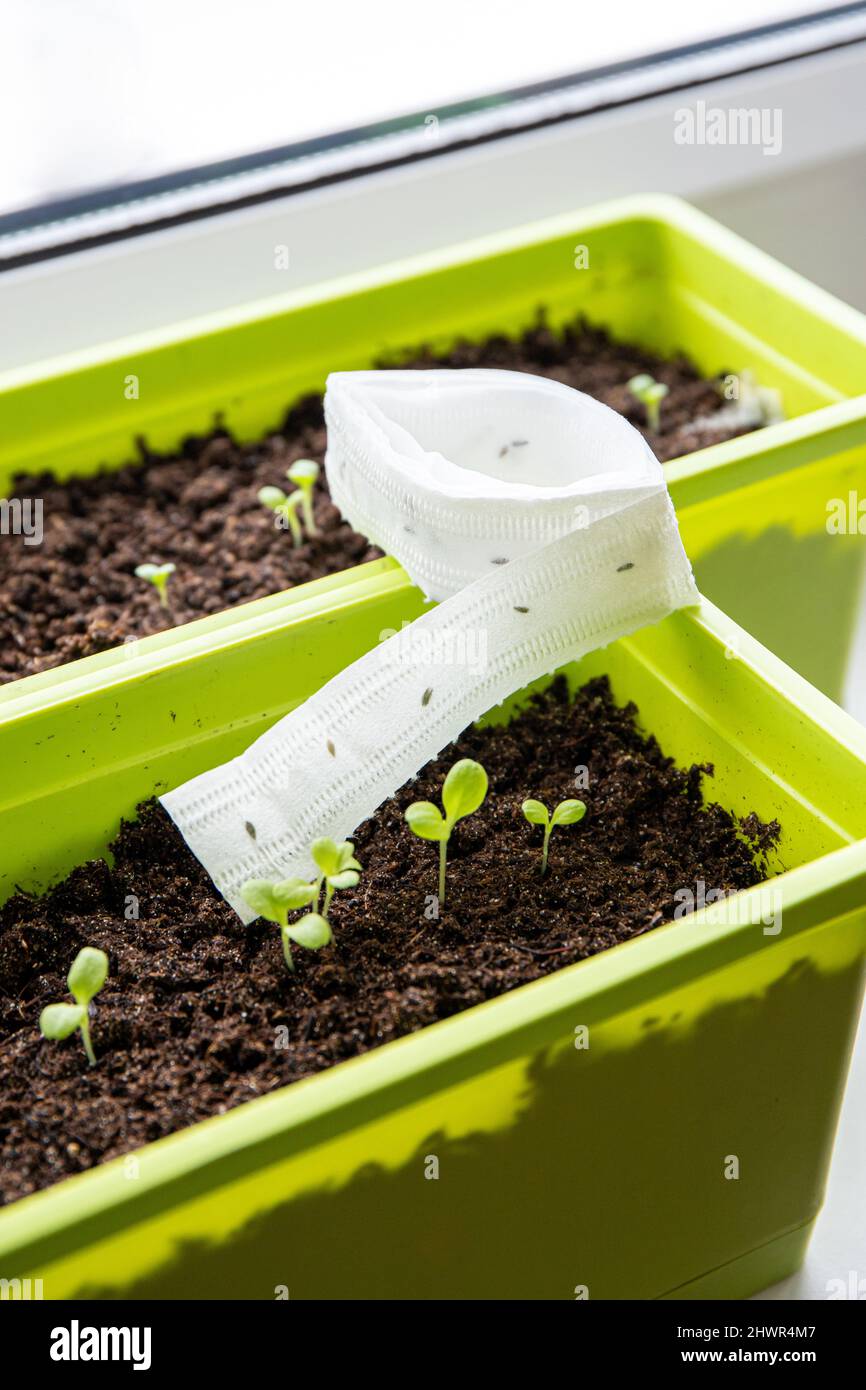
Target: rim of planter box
{"type": "Point", "coordinates": [692, 477]}
{"type": "Point", "coordinates": [709, 473]}
{"type": "Point", "coordinates": [661, 207]}
{"type": "Point", "coordinates": [100, 1202]}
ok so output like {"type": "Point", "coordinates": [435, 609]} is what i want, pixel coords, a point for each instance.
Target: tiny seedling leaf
{"type": "Point", "coordinates": [274, 900]}
{"type": "Point", "coordinates": [259, 894]}
{"type": "Point", "coordinates": [155, 573]}
{"type": "Point", "coordinates": [158, 576]}
{"type": "Point", "coordinates": [57, 1021]}
{"type": "Point", "coordinates": [347, 858]}
{"type": "Point", "coordinates": [639, 384]}
{"type": "Point", "coordinates": [535, 812]}
{"type": "Point", "coordinates": [293, 893]}
{"type": "Point", "coordinates": [311, 931]}
{"type": "Point", "coordinates": [464, 789]}
{"type": "Point", "coordinates": [568, 813]}
{"type": "Point", "coordinates": [272, 497]}
{"type": "Point", "coordinates": [346, 878]}
{"type": "Point", "coordinates": [304, 472]}
{"type": "Point", "coordinates": [87, 975]}
{"type": "Point", "coordinates": [326, 855]}
{"type": "Point", "coordinates": [426, 821]}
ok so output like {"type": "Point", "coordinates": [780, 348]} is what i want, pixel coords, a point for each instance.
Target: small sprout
{"type": "Point", "coordinates": [304, 474]}
{"type": "Point", "coordinates": [287, 507]}
{"type": "Point", "coordinates": [463, 791]}
{"type": "Point", "coordinates": [85, 979]}
{"type": "Point", "coordinates": [158, 576]}
{"type": "Point", "coordinates": [275, 901]}
{"type": "Point", "coordinates": [650, 393]}
{"type": "Point", "coordinates": [566, 813]}
{"type": "Point", "coordinates": [338, 868]}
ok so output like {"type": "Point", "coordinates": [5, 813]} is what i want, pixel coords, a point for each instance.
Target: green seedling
{"type": "Point", "coordinates": [85, 979]}
{"type": "Point", "coordinates": [566, 813]}
{"type": "Point", "coordinates": [287, 507]}
{"type": "Point", "coordinates": [650, 393]}
{"type": "Point", "coordinates": [274, 901]}
{"type": "Point", "coordinates": [463, 791]}
{"type": "Point", "coordinates": [337, 866]}
{"type": "Point", "coordinates": [158, 576]}
{"type": "Point", "coordinates": [304, 473]}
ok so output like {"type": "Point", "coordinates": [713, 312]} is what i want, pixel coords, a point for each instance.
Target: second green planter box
{"type": "Point", "coordinates": [649, 269]}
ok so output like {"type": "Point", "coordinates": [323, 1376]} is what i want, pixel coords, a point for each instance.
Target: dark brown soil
{"type": "Point", "coordinates": [76, 593]}
{"type": "Point", "coordinates": [188, 1024]}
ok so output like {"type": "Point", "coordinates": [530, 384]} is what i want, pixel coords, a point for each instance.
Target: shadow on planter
{"type": "Point", "coordinates": [778, 546]}
{"type": "Point", "coordinates": [611, 1175]}
{"type": "Point", "coordinates": [799, 595]}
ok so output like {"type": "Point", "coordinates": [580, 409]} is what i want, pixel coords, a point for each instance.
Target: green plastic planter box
{"type": "Point", "coordinates": [777, 536]}
{"type": "Point", "coordinates": [658, 273]}
{"type": "Point", "coordinates": [560, 1169]}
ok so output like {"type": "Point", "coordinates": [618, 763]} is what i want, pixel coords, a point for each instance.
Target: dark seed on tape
{"type": "Point", "coordinates": [331, 749]}
{"type": "Point", "coordinates": [426, 697]}
{"type": "Point", "coordinates": [520, 610]}
{"type": "Point", "coordinates": [629, 565]}
{"type": "Point", "coordinates": [250, 829]}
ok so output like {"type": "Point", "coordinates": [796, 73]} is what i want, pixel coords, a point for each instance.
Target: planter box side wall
{"type": "Point", "coordinates": [764, 554]}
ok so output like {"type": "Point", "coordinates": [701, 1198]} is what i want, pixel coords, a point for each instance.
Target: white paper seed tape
{"type": "Point", "coordinates": [541, 521]}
